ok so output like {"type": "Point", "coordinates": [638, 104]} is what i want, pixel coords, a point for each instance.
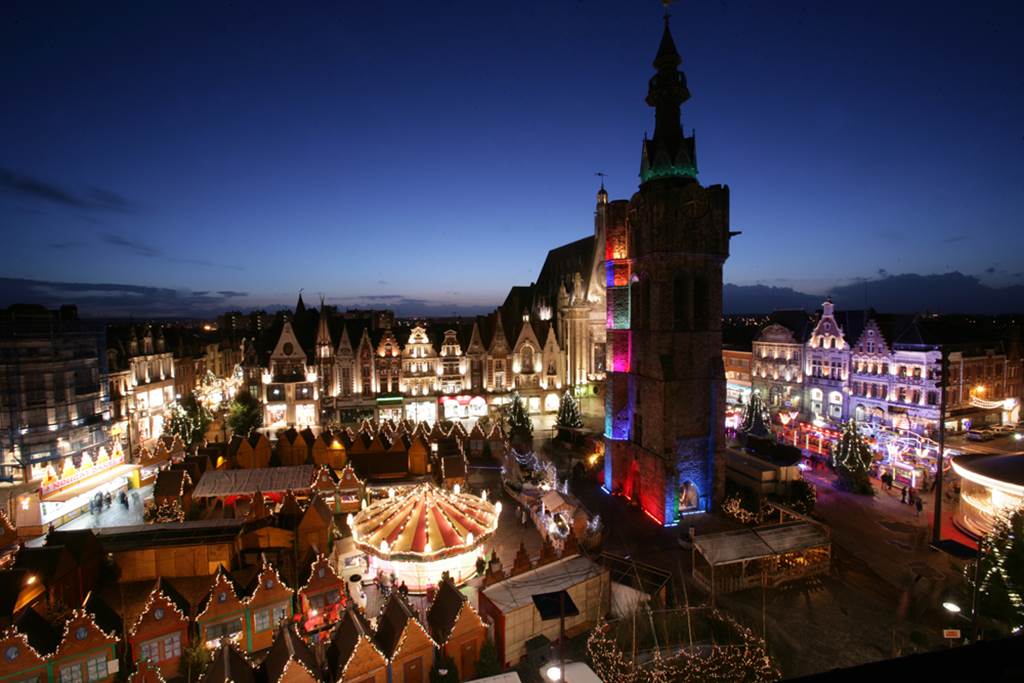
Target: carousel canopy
{"type": "Point", "coordinates": [424, 522]}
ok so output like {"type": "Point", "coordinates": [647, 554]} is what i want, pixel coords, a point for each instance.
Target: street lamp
{"type": "Point", "coordinates": [553, 673]}
{"type": "Point", "coordinates": [951, 607]}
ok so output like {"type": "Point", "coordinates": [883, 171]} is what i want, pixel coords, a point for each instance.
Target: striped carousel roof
{"type": "Point", "coordinates": [425, 522]}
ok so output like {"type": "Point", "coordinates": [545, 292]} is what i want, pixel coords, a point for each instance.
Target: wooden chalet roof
{"type": "Point", "coordinates": [244, 482]}
{"type": "Point", "coordinates": [171, 483]}
{"type": "Point", "coordinates": [287, 647]}
{"type": "Point", "coordinates": [228, 665]}
{"type": "Point", "coordinates": [391, 622]}
{"type": "Point", "coordinates": [43, 636]}
{"type": "Point", "coordinates": [444, 611]}
{"type": "Point", "coordinates": [351, 628]}
{"type": "Point", "coordinates": [199, 532]}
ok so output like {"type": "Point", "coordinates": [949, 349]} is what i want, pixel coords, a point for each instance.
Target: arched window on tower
{"type": "Point", "coordinates": [681, 303]}
{"type": "Point", "coordinates": [701, 303]}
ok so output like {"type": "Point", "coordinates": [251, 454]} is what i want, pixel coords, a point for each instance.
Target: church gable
{"type": "Point", "coordinates": [872, 341]}
{"type": "Point", "coordinates": [288, 349]}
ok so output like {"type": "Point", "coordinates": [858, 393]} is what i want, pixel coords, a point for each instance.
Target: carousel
{"type": "Point", "coordinates": [420, 532]}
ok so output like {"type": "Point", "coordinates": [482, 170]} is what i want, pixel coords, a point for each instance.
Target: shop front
{"type": "Point", "coordinates": [63, 496]}
{"type": "Point", "coordinates": [462, 407]}
{"type": "Point", "coordinates": [421, 411]}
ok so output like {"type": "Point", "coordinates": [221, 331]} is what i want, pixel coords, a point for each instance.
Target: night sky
{"type": "Point", "coordinates": [429, 154]}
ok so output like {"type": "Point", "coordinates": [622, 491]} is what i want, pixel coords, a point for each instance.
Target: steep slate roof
{"type": "Point", "coordinates": [288, 646]}
{"type": "Point", "coordinates": [796, 321]}
{"type": "Point", "coordinates": [560, 266]}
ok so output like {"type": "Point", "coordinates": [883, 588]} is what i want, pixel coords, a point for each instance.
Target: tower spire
{"type": "Point", "coordinates": [669, 153]}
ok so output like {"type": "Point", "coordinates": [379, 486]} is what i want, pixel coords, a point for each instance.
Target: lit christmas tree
{"type": "Point", "coordinates": [851, 459]}
{"type": "Point", "coordinates": [1001, 574]}
{"type": "Point", "coordinates": [568, 415]}
{"type": "Point", "coordinates": [520, 426]}
{"type": "Point", "coordinates": [756, 420]}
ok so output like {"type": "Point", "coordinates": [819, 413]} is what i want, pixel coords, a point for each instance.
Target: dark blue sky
{"type": "Point", "coordinates": [436, 151]}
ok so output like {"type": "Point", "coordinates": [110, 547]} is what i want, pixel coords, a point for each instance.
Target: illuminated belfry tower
{"type": "Point", "coordinates": [665, 394]}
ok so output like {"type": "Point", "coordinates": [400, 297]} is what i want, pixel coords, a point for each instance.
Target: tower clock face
{"type": "Point", "coordinates": [696, 208]}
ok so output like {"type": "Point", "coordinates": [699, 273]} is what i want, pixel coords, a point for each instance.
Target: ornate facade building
{"type": "Point", "coordinates": [664, 251]}
{"type": "Point", "coordinates": [887, 369]}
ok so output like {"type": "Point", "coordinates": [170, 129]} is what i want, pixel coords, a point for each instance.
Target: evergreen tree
{"type": "Point", "coordinates": [851, 460]}
{"type": "Point", "coordinates": [520, 426]}
{"type": "Point", "coordinates": [245, 413]}
{"type": "Point", "coordinates": [756, 420]}
{"type": "Point", "coordinates": [444, 663]}
{"type": "Point", "coordinates": [189, 421]}
{"type": "Point", "coordinates": [568, 416]}
{"type": "Point", "coordinates": [1001, 574]}
{"type": "Point", "coordinates": [488, 664]}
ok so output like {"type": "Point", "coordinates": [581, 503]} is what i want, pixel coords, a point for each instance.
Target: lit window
{"type": "Point", "coordinates": [71, 674]}
{"type": "Point", "coordinates": [172, 646]}
{"type": "Point", "coordinates": [97, 667]}
{"type": "Point", "coordinates": [151, 650]}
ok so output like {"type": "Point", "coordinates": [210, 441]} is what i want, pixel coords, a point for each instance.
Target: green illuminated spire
{"type": "Point", "coordinates": [669, 154]}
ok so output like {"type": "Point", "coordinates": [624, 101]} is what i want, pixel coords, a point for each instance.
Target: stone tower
{"type": "Point", "coordinates": [665, 397]}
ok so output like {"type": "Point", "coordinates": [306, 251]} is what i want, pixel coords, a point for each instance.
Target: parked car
{"type": "Point", "coordinates": [977, 435]}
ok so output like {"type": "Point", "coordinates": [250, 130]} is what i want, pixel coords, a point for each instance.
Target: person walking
{"type": "Point", "coordinates": [919, 504]}
{"type": "Point", "coordinates": [903, 499]}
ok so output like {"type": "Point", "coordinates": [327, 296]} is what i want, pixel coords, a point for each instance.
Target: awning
{"type": "Point", "coordinates": [90, 483]}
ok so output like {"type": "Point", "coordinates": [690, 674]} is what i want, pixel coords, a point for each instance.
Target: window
{"type": "Point", "coordinates": [261, 620]}
{"type": "Point", "coordinates": [681, 312]}
{"type": "Point", "coordinates": [172, 646]}
{"type": "Point", "coordinates": [71, 673]}
{"type": "Point", "coordinates": [226, 628]}
{"type": "Point", "coordinates": [151, 650]}
{"type": "Point", "coordinates": [97, 667]}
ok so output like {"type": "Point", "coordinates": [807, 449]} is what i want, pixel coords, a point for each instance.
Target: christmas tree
{"type": "Point", "coordinates": [520, 426]}
{"type": "Point", "coordinates": [568, 416]}
{"type": "Point", "coordinates": [189, 421]}
{"type": "Point", "coordinates": [1001, 574]}
{"type": "Point", "coordinates": [851, 459]}
{"type": "Point", "coordinates": [756, 420]}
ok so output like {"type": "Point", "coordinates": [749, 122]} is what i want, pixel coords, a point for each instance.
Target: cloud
{"type": "Point", "coordinates": [137, 248]}
{"type": "Point", "coordinates": [990, 270]}
{"type": "Point", "coordinates": [955, 238]}
{"type": "Point", "coordinates": [382, 282]}
{"type": "Point", "coordinates": [142, 249]}
{"type": "Point", "coordinates": [882, 272]}
{"type": "Point", "coordinates": [18, 184]}
{"type": "Point", "coordinates": [117, 300]}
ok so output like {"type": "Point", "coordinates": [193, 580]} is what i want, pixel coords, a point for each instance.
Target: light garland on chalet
{"type": "Point", "coordinates": [156, 594]}
{"type": "Point", "coordinates": [12, 633]}
{"type": "Point", "coordinates": [421, 532]}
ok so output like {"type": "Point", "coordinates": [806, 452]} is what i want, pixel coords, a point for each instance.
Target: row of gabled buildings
{"type": "Point", "coordinates": [887, 369]}
{"type": "Point", "coordinates": [315, 367]}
